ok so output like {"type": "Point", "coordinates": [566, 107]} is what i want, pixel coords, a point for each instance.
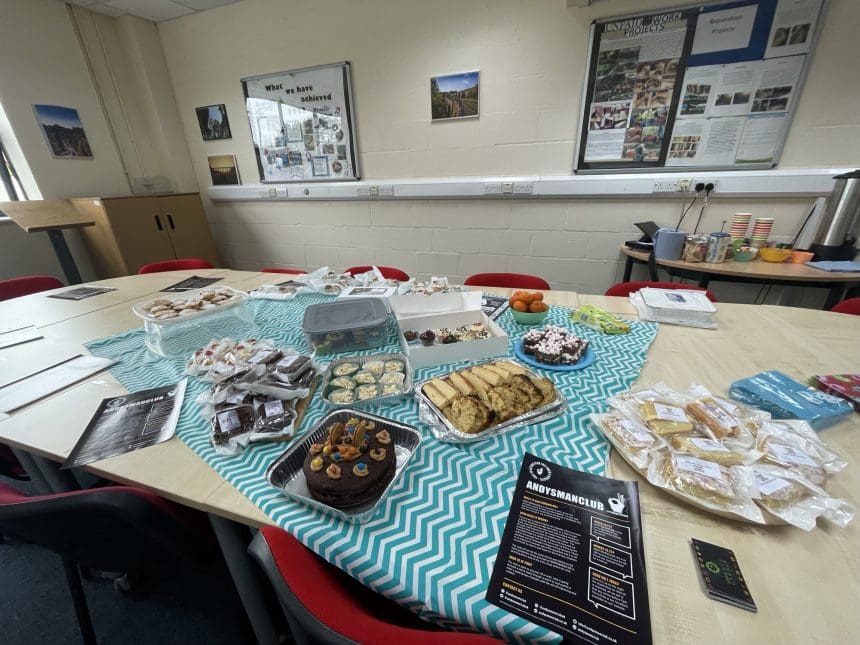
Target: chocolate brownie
{"type": "Point", "coordinates": [352, 465]}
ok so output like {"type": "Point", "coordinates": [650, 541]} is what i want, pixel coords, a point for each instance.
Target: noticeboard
{"type": "Point", "coordinates": [302, 124]}
{"type": "Point", "coordinates": [711, 86]}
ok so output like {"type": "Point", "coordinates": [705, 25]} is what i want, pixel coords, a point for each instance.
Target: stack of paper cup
{"type": "Point", "coordinates": [739, 226]}
{"type": "Point", "coordinates": [761, 231]}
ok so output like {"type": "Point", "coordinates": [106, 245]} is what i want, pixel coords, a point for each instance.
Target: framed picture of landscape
{"type": "Point", "coordinates": [454, 96]}
{"type": "Point", "coordinates": [63, 131]}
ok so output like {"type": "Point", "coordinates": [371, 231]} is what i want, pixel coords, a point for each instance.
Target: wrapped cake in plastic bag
{"type": "Point", "coordinates": [722, 418]}
{"type": "Point", "coordinates": [658, 407]}
{"type": "Point", "coordinates": [629, 437]}
{"type": "Point", "coordinates": [786, 398]}
{"type": "Point", "coordinates": [791, 450]}
{"type": "Point", "coordinates": [791, 498]}
{"type": "Point", "coordinates": [711, 450]}
{"type": "Point", "coordinates": [706, 484]}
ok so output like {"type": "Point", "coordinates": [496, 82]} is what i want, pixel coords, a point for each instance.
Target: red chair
{"type": "Point", "coordinates": [850, 306]}
{"type": "Point", "coordinates": [624, 289]}
{"type": "Point", "coordinates": [175, 265]}
{"type": "Point", "coordinates": [510, 280]}
{"type": "Point", "coordinates": [24, 286]}
{"type": "Point", "coordinates": [324, 605]}
{"type": "Point", "coordinates": [279, 270]}
{"type": "Point", "coordinates": [389, 273]}
{"type": "Point", "coordinates": [108, 529]}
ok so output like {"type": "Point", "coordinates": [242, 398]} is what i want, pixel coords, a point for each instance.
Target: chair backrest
{"type": "Point", "coordinates": [25, 285]}
{"type": "Point", "coordinates": [510, 280]}
{"type": "Point", "coordinates": [389, 273]}
{"type": "Point", "coordinates": [175, 265]}
{"type": "Point", "coordinates": [626, 288]}
{"type": "Point", "coordinates": [323, 605]}
{"type": "Point", "coordinates": [849, 306]}
{"type": "Point", "coordinates": [111, 529]}
{"type": "Point", "coordinates": [279, 270]}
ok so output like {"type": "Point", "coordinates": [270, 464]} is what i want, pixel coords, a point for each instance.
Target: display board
{"type": "Point", "coordinates": [711, 86]}
{"type": "Point", "coordinates": [302, 124]}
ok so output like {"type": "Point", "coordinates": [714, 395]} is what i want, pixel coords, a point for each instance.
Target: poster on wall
{"type": "Point", "coordinates": [224, 170]}
{"type": "Point", "coordinates": [302, 124]}
{"type": "Point", "coordinates": [711, 86]}
{"type": "Point", "coordinates": [455, 96]}
{"type": "Point", "coordinates": [213, 122]}
{"type": "Point", "coordinates": [63, 131]}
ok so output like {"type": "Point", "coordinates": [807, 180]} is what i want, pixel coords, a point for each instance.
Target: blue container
{"type": "Point", "coordinates": [669, 244]}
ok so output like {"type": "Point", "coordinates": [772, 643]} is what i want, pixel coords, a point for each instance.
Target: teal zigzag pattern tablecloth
{"type": "Point", "coordinates": [433, 544]}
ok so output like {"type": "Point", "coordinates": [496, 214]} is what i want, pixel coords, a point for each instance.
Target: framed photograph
{"type": "Point", "coordinates": [455, 96]}
{"type": "Point", "coordinates": [224, 170]}
{"type": "Point", "coordinates": [309, 110]}
{"type": "Point", "coordinates": [213, 122]}
{"type": "Point", "coordinates": [63, 131]}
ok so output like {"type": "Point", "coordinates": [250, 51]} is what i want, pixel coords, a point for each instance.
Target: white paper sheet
{"type": "Point", "coordinates": [53, 379]}
{"type": "Point", "coordinates": [18, 336]}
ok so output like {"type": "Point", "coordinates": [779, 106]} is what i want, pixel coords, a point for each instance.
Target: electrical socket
{"type": "Point", "coordinates": [704, 180]}
{"type": "Point", "coordinates": [507, 188]}
{"type": "Point", "coordinates": [386, 191]}
{"type": "Point", "coordinates": [523, 187]}
{"type": "Point", "coordinates": [670, 185]}
{"type": "Point", "coordinates": [492, 188]}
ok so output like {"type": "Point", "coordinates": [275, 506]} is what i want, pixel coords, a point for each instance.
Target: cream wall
{"type": "Point", "coordinates": [43, 63]}
{"type": "Point", "coordinates": [532, 59]}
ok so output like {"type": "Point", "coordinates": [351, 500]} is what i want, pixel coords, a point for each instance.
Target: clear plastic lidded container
{"type": "Point", "coordinates": [345, 326]}
{"type": "Point", "coordinates": [180, 336]}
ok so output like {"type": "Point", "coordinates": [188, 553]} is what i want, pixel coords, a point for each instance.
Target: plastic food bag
{"type": "Point", "coordinates": [799, 436]}
{"type": "Point", "coordinates": [203, 359]}
{"type": "Point", "coordinates": [724, 419]}
{"type": "Point", "coordinates": [791, 498]}
{"type": "Point", "coordinates": [786, 398]}
{"type": "Point", "coordinates": [658, 407]}
{"type": "Point", "coordinates": [629, 437]}
{"type": "Point", "coordinates": [278, 292]}
{"type": "Point", "coordinates": [712, 450]}
{"type": "Point", "coordinates": [706, 484]}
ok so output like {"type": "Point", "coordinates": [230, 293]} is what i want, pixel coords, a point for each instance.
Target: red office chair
{"type": "Point", "coordinates": [323, 605]}
{"type": "Point", "coordinates": [626, 288]}
{"type": "Point", "coordinates": [850, 306]}
{"type": "Point", "coordinates": [24, 286]}
{"type": "Point", "coordinates": [175, 265]}
{"type": "Point", "coordinates": [279, 270]}
{"type": "Point", "coordinates": [389, 273]}
{"type": "Point", "coordinates": [510, 280]}
{"type": "Point", "coordinates": [109, 529]}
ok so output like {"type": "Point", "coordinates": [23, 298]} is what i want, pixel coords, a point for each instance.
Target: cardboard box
{"type": "Point", "coordinates": [383, 293]}
{"type": "Point", "coordinates": [440, 354]}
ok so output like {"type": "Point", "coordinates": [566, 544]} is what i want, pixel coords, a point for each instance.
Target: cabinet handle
{"type": "Point", "coordinates": [158, 223]}
{"type": "Point", "coordinates": [170, 219]}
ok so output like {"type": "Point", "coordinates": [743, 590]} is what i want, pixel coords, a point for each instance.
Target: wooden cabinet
{"type": "Point", "coordinates": [133, 231]}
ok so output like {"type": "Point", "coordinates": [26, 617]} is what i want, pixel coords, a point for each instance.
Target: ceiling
{"type": "Point", "coordinates": [154, 10]}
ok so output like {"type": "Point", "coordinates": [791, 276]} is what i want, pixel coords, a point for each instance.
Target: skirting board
{"type": "Point", "coordinates": [800, 182]}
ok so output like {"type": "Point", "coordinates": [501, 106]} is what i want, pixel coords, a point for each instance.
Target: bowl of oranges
{"type": "Point", "coordinates": [528, 307]}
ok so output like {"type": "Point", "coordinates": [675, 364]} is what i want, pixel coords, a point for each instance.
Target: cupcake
{"type": "Point", "coordinates": [427, 337]}
{"type": "Point", "coordinates": [410, 336]}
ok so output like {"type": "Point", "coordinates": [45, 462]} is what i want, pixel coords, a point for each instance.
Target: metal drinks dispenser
{"type": "Point", "coordinates": [840, 223]}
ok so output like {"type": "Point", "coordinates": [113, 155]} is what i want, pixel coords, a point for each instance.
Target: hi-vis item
{"type": "Point", "coordinates": [302, 124]}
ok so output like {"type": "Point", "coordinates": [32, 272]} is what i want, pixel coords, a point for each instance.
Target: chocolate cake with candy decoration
{"type": "Point", "coordinates": [353, 464]}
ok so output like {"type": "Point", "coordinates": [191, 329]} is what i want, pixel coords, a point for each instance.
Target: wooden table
{"type": "Point", "coordinates": [785, 274]}
{"type": "Point", "coordinates": [805, 584]}
{"type": "Point", "coordinates": [50, 216]}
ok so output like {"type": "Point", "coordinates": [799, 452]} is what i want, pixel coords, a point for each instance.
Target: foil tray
{"type": "Point", "coordinates": [377, 401]}
{"type": "Point", "coordinates": [442, 429]}
{"type": "Point", "coordinates": [285, 473]}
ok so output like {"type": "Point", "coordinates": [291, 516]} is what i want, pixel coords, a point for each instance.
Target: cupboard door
{"type": "Point", "coordinates": [189, 230]}
{"type": "Point", "coordinates": [140, 230]}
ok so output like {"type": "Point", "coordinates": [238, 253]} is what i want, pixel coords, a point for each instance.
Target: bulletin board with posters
{"type": "Point", "coordinates": [711, 86]}
{"type": "Point", "coordinates": [302, 124]}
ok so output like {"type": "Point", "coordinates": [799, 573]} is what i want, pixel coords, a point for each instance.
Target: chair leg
{"type": "Point", "coordinates": [85, 623]}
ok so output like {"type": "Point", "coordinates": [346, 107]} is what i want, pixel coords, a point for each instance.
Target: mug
{"type": "Point", "coordinates": [669, 244]}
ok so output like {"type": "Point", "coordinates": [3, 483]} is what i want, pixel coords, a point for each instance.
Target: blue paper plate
{"type": "Point", "coordinates": [586, 360]}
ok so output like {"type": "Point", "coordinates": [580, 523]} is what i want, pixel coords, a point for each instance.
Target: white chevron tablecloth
{"type": "Point", "coordinates": [432, 545]}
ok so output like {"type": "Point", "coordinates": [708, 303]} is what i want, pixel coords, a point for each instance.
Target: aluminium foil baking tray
{"type": "Point", "coordinates": [285, 473]}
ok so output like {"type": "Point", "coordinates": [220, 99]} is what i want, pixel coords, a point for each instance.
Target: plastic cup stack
{"type": "Point", "coordinates": [761, 231]}
{"type": "Point", "coordinates": [739, 226]}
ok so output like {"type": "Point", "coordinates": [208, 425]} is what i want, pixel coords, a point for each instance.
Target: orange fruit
{"type": "Point", "coordinates": [538, 307]}
{"type": "Point", "coordinates": [519, 305]}
{"type": "Point", "coordinates": [537, 295]}
{"type": "Point", "coordinates": [525, 296]}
